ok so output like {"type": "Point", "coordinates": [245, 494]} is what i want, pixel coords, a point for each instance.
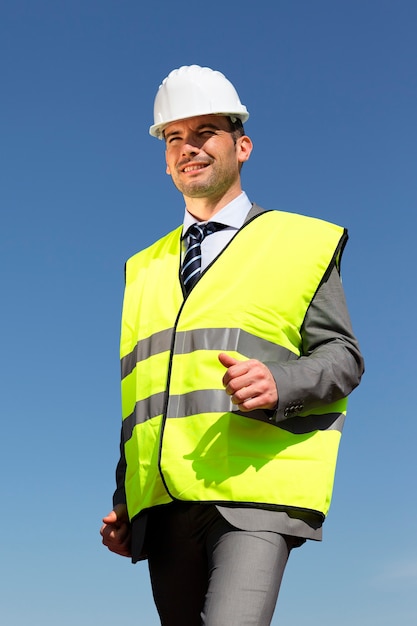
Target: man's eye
{"type": "Point", "coordinates": [173, 139]}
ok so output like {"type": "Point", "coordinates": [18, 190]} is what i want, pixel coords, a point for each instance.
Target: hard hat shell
{"type": "Point", "coordinates": [193, 90]}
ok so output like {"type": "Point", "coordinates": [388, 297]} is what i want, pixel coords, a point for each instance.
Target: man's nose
{"type": "Point", "coordinates": [190, 149]}
{"type": "Point", "coordinates": [192, 144]}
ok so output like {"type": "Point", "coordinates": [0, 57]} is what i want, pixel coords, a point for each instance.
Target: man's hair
{"type": "Point", "coordinates": [236, 128]}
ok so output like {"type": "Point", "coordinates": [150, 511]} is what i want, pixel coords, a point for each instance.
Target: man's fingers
{"type": "Point", "coordinates": [250, 385]}
{"type": "Point", "coordinates": [116, 537]}
{"type": "Point", "coordinates": [234, 367]}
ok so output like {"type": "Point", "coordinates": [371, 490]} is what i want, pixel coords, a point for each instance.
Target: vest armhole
{"type": "Point", "coordinates": [336, 260]}
{"type": "Point", "coordinates": [334, 263]}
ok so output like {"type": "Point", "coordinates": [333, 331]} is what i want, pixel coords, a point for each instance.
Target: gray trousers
{"type": "Point", "coordinates": [205, 571]}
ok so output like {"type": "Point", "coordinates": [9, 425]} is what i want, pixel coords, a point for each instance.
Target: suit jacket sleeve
{"type": "Point", "coordinates": [331, 364]}
{"type": "Point", "coordinates": [119, 496]}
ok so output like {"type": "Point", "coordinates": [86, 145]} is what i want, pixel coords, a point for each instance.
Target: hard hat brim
{"type": "Point", "coordinates": [157, 130]}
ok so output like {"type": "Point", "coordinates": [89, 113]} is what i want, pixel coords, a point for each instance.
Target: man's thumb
{"type": "Point", "coordinates": [111, 518]}
{"type": "Point", "coordinates": [226, 359]}
{"type": "Point", "coordinates": [119, 514]}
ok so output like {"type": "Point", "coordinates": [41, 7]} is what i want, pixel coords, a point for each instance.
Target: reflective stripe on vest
{"type": "Point", "coordinates": [183, 438]}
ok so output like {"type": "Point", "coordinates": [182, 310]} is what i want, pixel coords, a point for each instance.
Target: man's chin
{"type": "Point", "coordinates": [196, 190]}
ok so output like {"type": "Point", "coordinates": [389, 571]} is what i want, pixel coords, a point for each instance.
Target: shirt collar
{"type": "Point", "coordinates": [232, 215]}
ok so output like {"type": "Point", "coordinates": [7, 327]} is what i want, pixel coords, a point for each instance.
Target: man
{"type": "Point", "coordinates": [237, 356]}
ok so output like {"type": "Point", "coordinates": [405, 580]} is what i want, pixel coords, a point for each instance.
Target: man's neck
{"type": "Point", "coordinates": [203, 209]}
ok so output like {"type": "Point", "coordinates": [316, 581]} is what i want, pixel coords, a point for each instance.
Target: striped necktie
{"type": "Point", "coordinates": [191, 266]}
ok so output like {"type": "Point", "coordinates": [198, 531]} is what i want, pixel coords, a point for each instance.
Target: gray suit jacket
{"type": "Point", "coordinates": [330, 367]}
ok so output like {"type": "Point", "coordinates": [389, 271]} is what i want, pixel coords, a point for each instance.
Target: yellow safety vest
{"type": "Point", "coordinates": [183, 438]}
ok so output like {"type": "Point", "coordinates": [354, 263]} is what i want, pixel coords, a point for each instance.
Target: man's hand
{"type": "Point", "coordinates": [116, 531]}
{"type": "Point", "coordinates": [249, 383]}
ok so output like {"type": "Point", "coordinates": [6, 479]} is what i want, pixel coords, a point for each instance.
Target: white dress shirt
{"type": "Point", "coordinates": [233, 215]}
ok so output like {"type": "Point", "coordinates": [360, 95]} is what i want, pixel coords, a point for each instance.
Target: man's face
{"type": "Point", "coordinates": [202, 156]}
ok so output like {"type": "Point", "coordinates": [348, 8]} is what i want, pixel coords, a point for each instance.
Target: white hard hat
{"type": "Point", "coordinates": [193, 90]}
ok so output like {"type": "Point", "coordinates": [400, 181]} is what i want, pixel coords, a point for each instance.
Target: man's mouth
{"type": "Point", "coordinates": [194, 168]}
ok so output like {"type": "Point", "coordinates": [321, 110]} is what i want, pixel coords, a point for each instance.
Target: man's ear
{"type": "Point", "coordinates": [244, 147]}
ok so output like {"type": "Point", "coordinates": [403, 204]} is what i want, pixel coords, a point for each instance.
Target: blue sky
{"type": "Point", "coordinates": [332, 91]}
